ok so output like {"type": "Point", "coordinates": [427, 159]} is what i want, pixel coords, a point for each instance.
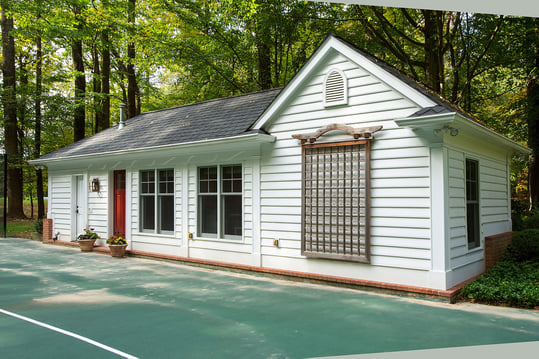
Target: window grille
{"type": "Point", "coordinates": [335, 200]}
{"type": "Point", "coordinates": [335, 89]}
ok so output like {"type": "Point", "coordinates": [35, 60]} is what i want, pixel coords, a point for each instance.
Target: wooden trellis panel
{"type": "Point", "coordinates": [335, 200]}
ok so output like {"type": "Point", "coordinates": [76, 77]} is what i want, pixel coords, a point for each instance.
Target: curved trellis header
{"type": "Point", "coordinates": [358, 133]}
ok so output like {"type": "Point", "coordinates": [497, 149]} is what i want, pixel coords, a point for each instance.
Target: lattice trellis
{"type": "Point", "coordinates": [335, 200]}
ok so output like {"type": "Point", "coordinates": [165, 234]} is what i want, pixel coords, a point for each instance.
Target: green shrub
{"type": "Point", "coordinates": [524, 246]}
{"type": "Point", "coordinates": [531, 222]}
{"type": "Point", "coordinates": [507, 283]}
{"type": "Point", "coordinates": [38, 225]}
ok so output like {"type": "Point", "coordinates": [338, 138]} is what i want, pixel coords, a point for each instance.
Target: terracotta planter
{"type": "Point", "coordinates": [117, 250]}
{"type": "Point", "coordinates": [86, 245]}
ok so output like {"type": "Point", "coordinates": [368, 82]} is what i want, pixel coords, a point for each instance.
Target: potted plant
{"type": "Point", "coordinates": [117, 245]}
{"type": "Point", "coordinates": [87, 239]}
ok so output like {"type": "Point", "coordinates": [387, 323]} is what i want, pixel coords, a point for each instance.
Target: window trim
{"type": "Point", "coordinates": [220, 194]}
{"type": "Point", "coordinates": [366, 240]}
{"type": "Point", "coordinates": [156, 200]}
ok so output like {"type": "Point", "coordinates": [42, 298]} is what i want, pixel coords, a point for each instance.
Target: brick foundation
{"type": "Point", "coordinates": [495, 247]}
{"type": "Point", "coordinates": [47, 229]}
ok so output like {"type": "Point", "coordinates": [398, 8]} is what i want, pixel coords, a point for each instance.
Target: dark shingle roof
{"type": "Point", "coordinates": [207, 120]}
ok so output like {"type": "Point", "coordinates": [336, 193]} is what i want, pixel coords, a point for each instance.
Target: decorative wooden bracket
{"type": "Point", "coordinates": [365, 132]}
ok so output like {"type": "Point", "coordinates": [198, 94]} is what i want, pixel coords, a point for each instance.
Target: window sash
{"type": "Point", "coordinates": [335, 201]}
{"type": "Point", "coordinates": [220, 201]}
{"type": "Point", "coordinates": [157, 201]}
{"type": "Point", "coordinates": [472, 204]}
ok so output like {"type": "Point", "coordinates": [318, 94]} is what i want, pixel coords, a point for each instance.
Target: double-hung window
{"type": "Point", "coordinates": [220, 201]}
{"type": "Point", "coordinates": [472, 203]}
{"type": "Point", "coordinates": [157, 201]}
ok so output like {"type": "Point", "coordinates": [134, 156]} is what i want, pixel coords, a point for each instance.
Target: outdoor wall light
{"type": "Point", "coordinates": [94, 185]}
{"type": "Point", "coordinates": [441, 131]}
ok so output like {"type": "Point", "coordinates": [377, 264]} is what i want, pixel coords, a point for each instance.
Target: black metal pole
{"type": "Point", "coordinates": [4, 216]}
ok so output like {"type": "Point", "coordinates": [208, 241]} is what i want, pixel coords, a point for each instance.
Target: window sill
{"type": "Point", "coordinates": [476, 249]}
{"type": "Point", "coordinates": [158, 235]}
{"type": "Point", "coordinates": [220, 240]}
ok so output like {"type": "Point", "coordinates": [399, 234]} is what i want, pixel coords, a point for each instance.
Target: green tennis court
{"type": "Point", "coordinates": [59, 302]}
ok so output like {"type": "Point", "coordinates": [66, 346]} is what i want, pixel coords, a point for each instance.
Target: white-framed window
{"type": "Point", "coordinates": [336, 201]}
{"type": "Point", "coordinates": [472, 204]}
{"type": "Point", "coordinates": [157, 201]}
{"type": "Point", "coordinates": [220, 201]}
{"type": "Point", "coordinates": [335, 88]}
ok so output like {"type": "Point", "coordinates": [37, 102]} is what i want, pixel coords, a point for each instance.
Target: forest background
{"type": "Point", "coordinates": [67, 65]}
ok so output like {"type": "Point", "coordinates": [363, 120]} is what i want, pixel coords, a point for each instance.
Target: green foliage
{"type": "Point", "coordinates": [532, 222]}
{"type": "Point", "coordinates": [88, 234]}
{"type": "Point", "coordinates": [514, 280]}
{"type": "Point", "coordinates": [524, 246]}
{"type": "Point", "coordinates": [507, 283]}
{"type": "Point", "coordinates": [38, 226]}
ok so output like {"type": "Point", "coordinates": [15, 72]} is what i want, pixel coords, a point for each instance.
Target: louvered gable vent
{"type": "Point", "coordinates": [335, 88]}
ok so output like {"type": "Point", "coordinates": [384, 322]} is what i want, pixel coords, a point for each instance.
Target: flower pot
{"type": "Point", "coordinates": [86, 245]}
{"type": "Point", "coordinates": [117, 250]}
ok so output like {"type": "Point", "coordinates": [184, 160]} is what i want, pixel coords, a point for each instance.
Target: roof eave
{"type": "Point", "coordinates": [431, 123]}
{"type": "Point", "coordinates": [242, 139]}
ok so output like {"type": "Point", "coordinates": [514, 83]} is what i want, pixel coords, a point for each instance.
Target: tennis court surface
{"type": "Point", "coordinates": [57, 302]}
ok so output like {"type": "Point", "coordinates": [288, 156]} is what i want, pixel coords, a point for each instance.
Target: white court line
{"type": "Point", "coordinates": [65, 332]}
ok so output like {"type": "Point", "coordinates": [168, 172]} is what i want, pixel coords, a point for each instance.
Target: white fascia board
{"type": "Point", "coordinates": [333, 43]}
{"type": "Point", "coordinates": [289, 89]}
{"type": "Point", "coordinates": [389, 79]}
{"type": "Point", "coordinates": [481, 130]}
{"type": "Point", "coordinates": [462, 123]}
{"type": "Point", "coordinates": [203, 146]}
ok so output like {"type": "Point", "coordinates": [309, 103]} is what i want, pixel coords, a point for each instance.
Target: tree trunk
{"type": "Point", "coordinates": [79, 116]}
{"type": "Point", "coordinates": [131, 78]}
{"type": "Point", "coordinates": [433, 59]}
{"type": "Point", "coordinates": [264, 65]}
{"type": "Point", "coordinates": [96, 83]}
{"type": "Point", "coordinates": [105, 80]}
{"type": "Point", "coordinates": [37, 129]}
{"type": "Point", "coordinates": [9, 99]}
{"type": "Point", "coordinates": [533, 129]}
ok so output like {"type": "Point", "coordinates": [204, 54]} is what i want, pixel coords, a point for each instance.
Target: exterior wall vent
{"type": "Point", "coordinates": [335, 88]}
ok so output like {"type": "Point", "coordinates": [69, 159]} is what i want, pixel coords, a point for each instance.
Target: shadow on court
{"type": "Point", "coordinates": [154, 309]}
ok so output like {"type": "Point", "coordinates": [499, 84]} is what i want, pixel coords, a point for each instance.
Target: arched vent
{"type": "Point", "coordinates": [335, 89]}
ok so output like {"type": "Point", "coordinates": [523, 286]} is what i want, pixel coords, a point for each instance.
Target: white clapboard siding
{"type": "Point", "coordinates": [493, 202]}
{"type": "Point", "coordinates": [400, 169]}
{"type": "Point", "coordinates": [98, 211]}
{"type": "Point", "coordinates": [494, 199]}
{"type": "Point", "coordinates": [457, 206]}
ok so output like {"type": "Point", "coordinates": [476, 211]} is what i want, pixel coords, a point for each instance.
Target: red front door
{"type": "Point", "coordinates": [119, 203]}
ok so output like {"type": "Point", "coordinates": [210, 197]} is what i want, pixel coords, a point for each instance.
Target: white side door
{"type": "Point", "coordinates": [80, 205]}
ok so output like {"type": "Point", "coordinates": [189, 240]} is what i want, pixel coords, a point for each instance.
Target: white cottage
{"type": "Point", "coordinates": [352, 172]}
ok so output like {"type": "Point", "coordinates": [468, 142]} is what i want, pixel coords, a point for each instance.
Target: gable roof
{"type": "Point", "coordinates": [430, 101]}
{"type": "Point", "coordinates": [208, 120]}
